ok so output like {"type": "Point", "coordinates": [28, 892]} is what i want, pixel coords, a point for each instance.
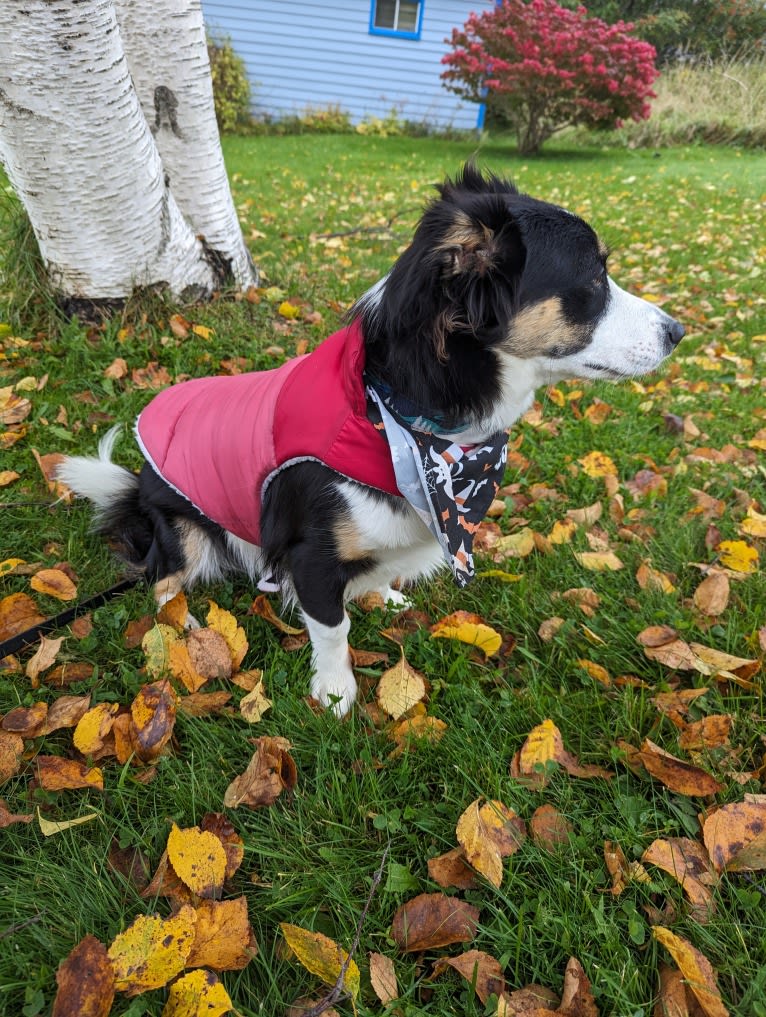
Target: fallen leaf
{"type": "Point", "coordinates": [647, 484]}
{"type": "Point", "coordinates": [268, 773]}
{"type": "Point", "coordinates": [482, 971]}
{"type": "Point", "coordinates": [576, 996]}
{"type": "Point", "coordinates": [675, 998]}
{"type": "Point", "coordinates": [549, 829]}
{"type": "Point", "coordinates": [686, 861]}
{"type": "Point", "coordinates": [153, 714]}
{"type": "Point", "coordinates": [738, 556]}
{"type": "Point", "coordinates": [451, 869]}
{"type": "Point", "coordinates": [515, 545]}
{"type": "Point", "coordinates": [400, 688]}
{"type": "Point", "coordinates": [599, 561]}
{"type": "Point", "coordinates": [712, 595]}
{"type": "Point", "coordinates": [433, 920]}
{"type": "Point", "coordinates": [529, 1001]}
{"type": "Point", "coordinates": [224, 622]}
{"type": "Point", "coordinates": [322, 957]}
{"type": "Point", "coordinates": [649, 578]}
{"type": "Point", "coordinates": [223, 939]}
{"type": "Point", "coordinates": [710, 732]}
{"type": "Point", "coordinates": [202, 704]}
{"type": "Point", "coordinates": [734, 829]}
{"type": "Point", "coordinates": [621, 870]}
{"type": "Point", "coordinates": [587, 516]}
{"type": "Point", "coordinates": [549, 628]}
{"type": "Point", "coordinates": [468, 628]}
{"type": "Point", "coordinates": [562, 532]}
{"type": "Point", "coordinates": [411, 730]}
{"type": "Point", "coordinates": [8, 818]}
{"type": "Point", "coordinates": [7, 477]}
{"type": "Point", "coordinates": [49, 828]}
{"type": "Point", "coordinates": [94, 727]}
{"type": "Point", "coordinates": [233, 845]}
{"type": "Point", "coordinates": [152, 951]}
{"type": "Point", "coordinates": [18, 612]}
{"type": "Point", "coordinates": [261, 606]}
{"type": "Point", "coordinates": [383, 978]}
{"type": "Point", "coordinates": [57, 774]}
{"type": "Point", "coordinates": [181, 666]}
{"type": "Point", "coordinates": [156, 644]}
{"type": "Point", "coordinates": [85, 980]}
{"type": "Point", "coordinates": [117, 369]}
{"type": "Point", "coordinates": [255, 704]}
{"type": "Point", "coordinates": [487, 834]}
{"type": "Point", "coordinates": [174, 612]}
{"type": "Point", "coordinates": [167, 883]}
{"type": "Point", "coordinates": [696, 969]}
{"type": "Point", "coordinates": [545, 744]}
{"type": "Point", "coordinates": [754, 524]}
{"type": "Point", "coordinates": [66, 711]}
{"type": "Point", "coordinates": [53, 583]}
{"type": "Point", "coordinates": [675, 774]}
{"type": "Point", "coordinates": [596, 671]}
{"type": "Point", "coordinates": [197, 994]}
{"type": "Point", "coordinates": [198, 858]}
{"type": "Point", "coordinates": [27, 721]}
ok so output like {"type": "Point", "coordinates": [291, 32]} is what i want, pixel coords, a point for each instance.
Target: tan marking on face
{"type": "Point", "coordinates": [348, 542]}
{"type": "Point", "coordinates": [540, 328]}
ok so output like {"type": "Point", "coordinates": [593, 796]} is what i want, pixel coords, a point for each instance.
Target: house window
{"type": "Point", "coordinates": [402, 18]}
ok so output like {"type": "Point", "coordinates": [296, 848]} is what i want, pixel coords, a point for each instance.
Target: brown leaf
{"type": "Point", "coordinates": [549, 628]}
{"type": "Point", "coordinates": [675, 998]}
{"type": "Point", "coordinates": [11, 751]}
{"type": "Point", "coordinates": [136, 630]}
{"type": "Point", "coordinates": [57, 774]}
{"type": "Point", "coordinates": [621, 870]}
{"type": "Point", "coordinates": [202, 704]}
{"type": "Point", "coordinates": [529, 1001]}
{"type": "Point", "coordinates": [167, 883]}
{"type": "Point", "coordinates": [487, 834]}
{"type": "Point", "coordinates": [675, 705]}
{"type": "Point", "coordinates": [657, 635]}
{"type": "Point", "coordinates": [686, 861]}
{"type": "Point", "coordinates": [27, 721]}
{"type": "Point", "coordinates": [712, 595]}
{"type": "Point", "coordinates": [53, 583]}
{"type": "Point", "coordinates": [708, 733]}
{"type": "Point", "coordinates": [696, 969]}
{"type": "Point", "coordinates": [67, 674]}
{"type": "Point", "coordinates": [412, 730]}
{"type": "Point", "coordinates": [675, 774]}
{"type": "Point", "coordinates": [153, 376]}
{"type": "Point", "coordinates": [18, 612]}
{"type": "Point", "coordinates": [209, 654]}
{"type": "Point", "coordinates": [479, 969]}
{"type": "Point", "coordinates": [576, 996]}
{"type": "Point", "coordinates": [233, 845]}
{"type": "Point", "coordinates": [116, 370]}
{"type": "Point", "coordinates": [647, 484]}
{"type": "Point", "coordinates": [153, 714]}
{"type": "Point", "coordinates": [383, 978]}
{"type": "Point", "coordinates": [262, 607]}
{"type": "Point", "coordinates": [85, 981]}
{"type": "Point", "coordinates": [224, 939]}
{"type": "Point", "coordinates": [66, 711]}
{"type": "Point", "coordinates": [549, 829]}
{"type": "Point", "coordinates": [82, 626]}
{"type": "Point", "coordinates": [43, 658]}
{"type": "Point", "coordinates": [131, 864]}
{"type": "Point", "coordinates": [7, 818]}
{"type": "Point", "coordinates": [451, 869]}
{"type": "Point", "coordinates": [269, 772]}
{"type": "Point", "coordinates": [732, 830]}
{"type": "Point", "coordinates": [432, 920]}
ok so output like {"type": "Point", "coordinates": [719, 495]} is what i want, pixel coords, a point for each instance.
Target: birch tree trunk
{"type": "Point", "coordinates": [82, 158]}
{"type": "Point", "coordinates": [166, 49]}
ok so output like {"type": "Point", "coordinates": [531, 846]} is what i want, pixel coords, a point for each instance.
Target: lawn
{"type": "Point", "coordinates": [325, 216]}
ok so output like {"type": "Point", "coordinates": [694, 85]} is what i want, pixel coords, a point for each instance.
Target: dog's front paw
{"type": "Point", "coordinates": [336, 692]}
{"type": "Point", "coordinates": [395, 598]}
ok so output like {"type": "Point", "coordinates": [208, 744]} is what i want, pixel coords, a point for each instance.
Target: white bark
{"type": "Point", "coordinates": [79, 152]}
{"type": "Point", "coordinates": [166, 49]}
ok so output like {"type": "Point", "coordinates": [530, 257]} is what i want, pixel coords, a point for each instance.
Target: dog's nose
{"type": "Point", "coordinates": [675, 331]}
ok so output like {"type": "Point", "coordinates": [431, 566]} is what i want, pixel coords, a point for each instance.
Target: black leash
{"type": "Point", "coordinates": [31, 635]}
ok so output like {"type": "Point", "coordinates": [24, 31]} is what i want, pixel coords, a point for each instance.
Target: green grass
{"type": "Point", "coordinates": [687, 228]}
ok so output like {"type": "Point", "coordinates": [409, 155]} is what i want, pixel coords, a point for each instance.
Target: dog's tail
{"type": "Point", "coordinates": [100, 480]}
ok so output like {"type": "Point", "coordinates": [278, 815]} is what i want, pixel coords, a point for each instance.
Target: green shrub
{"type": "Point", "coordinates": [231, 86]}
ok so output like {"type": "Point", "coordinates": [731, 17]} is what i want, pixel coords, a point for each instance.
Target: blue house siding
{"type": "Point", "coordinates": [303, 53]}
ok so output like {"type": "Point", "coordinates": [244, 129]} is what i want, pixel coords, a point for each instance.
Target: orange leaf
{"type": "Point", "coordinates": [57, 774]}
{"type": "Point", "coordinates": [675, 774]}
{"type": "Point", "coordinates": [269, 772]}
{"type": "Point", "coordinates": [696, 969]}
{"type": "Point", "coordinates": [18, 612]}
{"type": "Point", "coordinates": [432, 920]}
{"type": "Point", "coordinates": [54, 583]}
{"type": "Point", "coordinates": [733, 830]}
{"type": "Point", "coordinates": [85, 980]}
{"type": "Point", "coordinates": [479, 969]}
{"type": "Point", "coordinates": [262, 607]}
{"type": "Point", "coordinates": [224, 939]}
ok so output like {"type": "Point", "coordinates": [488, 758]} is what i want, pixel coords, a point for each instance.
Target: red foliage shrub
{"type": "Point", "coordinates": [541, 67]}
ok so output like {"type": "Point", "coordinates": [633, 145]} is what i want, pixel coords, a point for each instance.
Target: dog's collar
{"type": "Point", "coordinates": [448, 486]}
{"type": "Point", "coordinates": [414, 418]}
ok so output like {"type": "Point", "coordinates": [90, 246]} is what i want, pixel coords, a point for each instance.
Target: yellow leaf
{"type": "Point", "coordinates": [197, 994]}
{"type": "Point", "coordinates": [598, 464]}
{"type": "Point", "coordinates": [48, 827]}
{"type": "Point", "coordinates": [738, 556]}
{"type": "Point", "coordinates": [199, 860]}
{"type": "Point", "coordinates": [543, 743]}
{"type": "Point", "coordinates": [489, 834]}
{"type": "Point", "coordinates": [596, 671]}
{"type": "Point", "coordinates": [225, 623]}
{"type": "Point", "coordinates": [516, 545]}
{"type": "Point", "coordinates": [288, 310]}
{"type": "Point", "coordinates": [754, 524]}
{"type": "Point", "coordinates": [93, 727]}
{"type": "Point", "coordinates": [504, 577]}
{"type": "Point", "coordinates": [322, 957]}
{"type": "Point", "coordinates": [697, 970]}
{"type": "Point", "coordinates": [10, 564]}
{"type": "Point", "coordinates": [203, 331]}
{"type": "Point", "coordinates": [156, 645]}
{"type": "Point", "coordinates": [152, 951]}
{"type": "Point", "coordinates": [562, 532]}
{"type": "Point", "coordinates": [599, 561]}
{"type": "Point", "coordinates": [399, 688]}
{"type": "Point", "coordinates": [255, 704]}
{"type": "Point", "coordinates": [468, 628]}
{"type": "Point", "coordinates": [7, 477]}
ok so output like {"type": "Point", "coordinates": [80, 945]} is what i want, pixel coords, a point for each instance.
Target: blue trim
{"type": "Point", "coordinates": [481, 116]}
{"type": "Point", "coordinates": [392, 32]}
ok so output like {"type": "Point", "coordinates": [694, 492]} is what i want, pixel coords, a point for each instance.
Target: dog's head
{"type": "Point", "coordinates": [500, 293]}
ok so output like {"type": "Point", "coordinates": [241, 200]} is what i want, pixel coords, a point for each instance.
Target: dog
{"type": "Point", "coordinates": [381, 449]}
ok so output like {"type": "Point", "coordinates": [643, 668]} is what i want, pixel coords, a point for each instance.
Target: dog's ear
{"type": "Point", "coordinates": [468, 246]}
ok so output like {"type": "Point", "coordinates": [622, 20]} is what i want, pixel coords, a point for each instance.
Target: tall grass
{"type": "Point", "coordinates": [718, 103]}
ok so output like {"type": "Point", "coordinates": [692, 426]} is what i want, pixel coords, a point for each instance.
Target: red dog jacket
{"type": "Point", "coordinates": [219, 441]}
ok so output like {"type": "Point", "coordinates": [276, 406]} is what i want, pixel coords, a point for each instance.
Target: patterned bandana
{"type": "Point", "coordinates": [449, 486]}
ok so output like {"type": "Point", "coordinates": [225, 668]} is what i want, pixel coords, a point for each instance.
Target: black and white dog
{"type": "Point", "coordinates": [498, 294]}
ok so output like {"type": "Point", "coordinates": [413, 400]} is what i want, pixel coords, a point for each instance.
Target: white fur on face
{"type": "Point", "coordinates": [631, 338]}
